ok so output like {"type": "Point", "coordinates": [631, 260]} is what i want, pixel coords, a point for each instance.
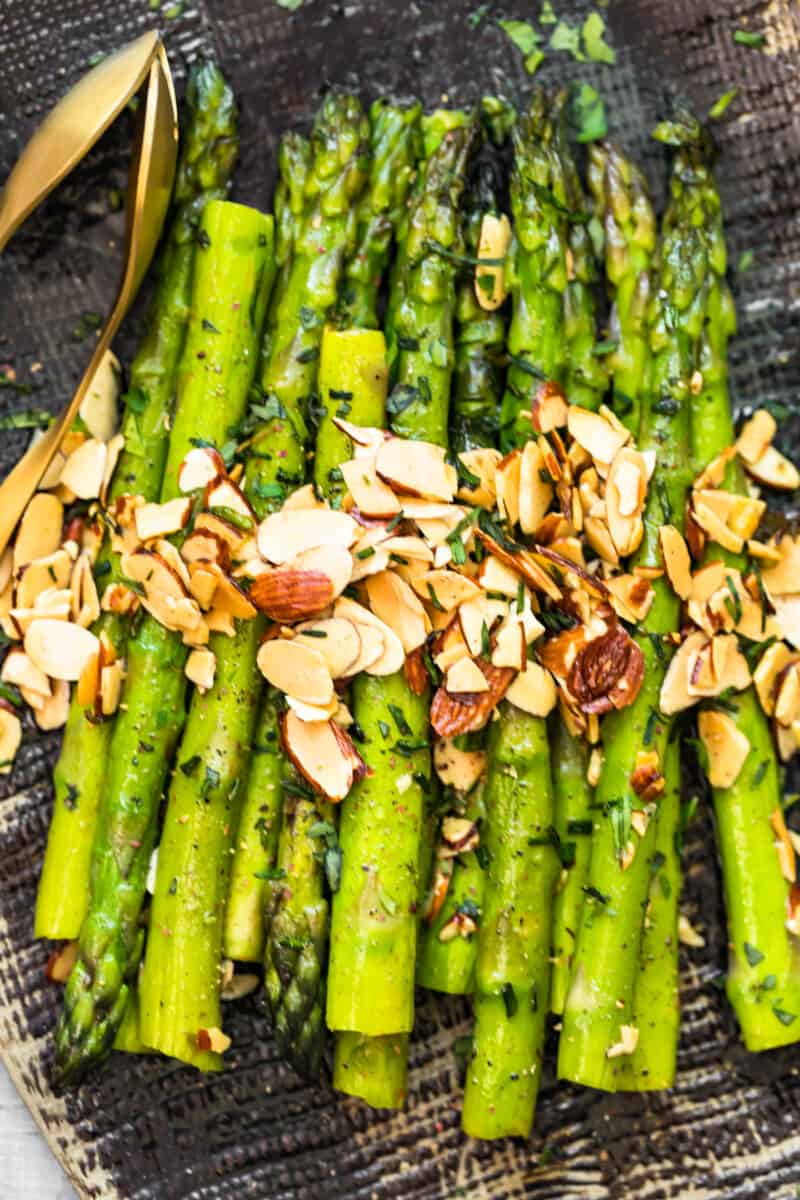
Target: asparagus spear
{"type": "Point", "coordinates": [374, 914]}
{"type": "Point", "coordinates": [207, 156]}
{"type": "Point", "coordinates": [229, 291]}
{"type": "Point", "coordinates": [512, 976]}
{"type": "Point", "coordinates": [763, 983]}
{"type": "Point", "coordinates": [296, 913]}
{"type": "Point", "coordinates": [600, 998]}
{"type": "Point", "coordinates": [395, 143]}
{"type": "Point", "coordinates": [621, 199]}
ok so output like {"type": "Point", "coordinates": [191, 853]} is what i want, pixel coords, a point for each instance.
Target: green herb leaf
{"type": "Point", "coordinates": [719, 106]}
{"type": "Point", "coordinates": [745, 261]}
{"type": "Point", "coordinates": [510, 1000]}
{"type": "Point", "coordinates": [26, 418]}
{"type": "Point", "coordinates": [594, 43]}
{"type": "Point", "coordinates": [547, 16]}
{"type": "Point", "coordinates": [522, 34]}
{"type": "Point", "coordinates": [567, 37]}
{"type": "Point", "coordinates": [743, 37]}
{"type": "Point", "coordinates": [587, 115]}
{"type": "Point", "coordinates": [753, 955]}
{"type": "Point", "coordinates": [271, 874]}
{"type": "Point", "coordinates": [785, 1018]}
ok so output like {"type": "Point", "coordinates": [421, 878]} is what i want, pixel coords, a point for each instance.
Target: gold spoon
{"type": "Point", "coordinates": [68, 132]}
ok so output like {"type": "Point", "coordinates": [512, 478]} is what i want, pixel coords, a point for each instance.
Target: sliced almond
{"type": "Point", "coordinates": [497, 576]}
{"type": "Point", "coordinates": [416, 469]}
{"type": "Point", "coordinates": [40, 575]}
{"type": "Point", "coordinates": [201, 546]}
{"type": "Point", "coordinates": [10, 738]}
{"type": "Point", "coordinates": [337, 640]}
{"type": "Point", "coordinates": [783, 578]}
{"type": "Point", "coordinates": [493, 243]}
{"type": "Point", "coordinates": [510, 645]}
{"type": "Point", "coordinates": [741, 514]}
{"type": "Point", "coordinates": [595, 434]}
{"type": "Point", "coordinates": [368, 560]}
{"type": "Point", "coordinates": [726, 747]}
{"type": "Point", "coordinates": [313, 712]}
{"type": "Point", "coordinates": [371, 496]}
{"type": "Point", "coordinates": [161, 520]}
{"type": "Point", "coordinates": [774, 470]}
{"type": "Point", "coordinates": [224, 494]}
{"type": "Point", "coordinates": [227, 533]}
{"type": "Point", "coordinates": [59, 649]}
{"type": "Point", "coordinates": [465, 676]}
{"type": "Point", "coordinates": [303, 497]}
{"type": "Point", "coordinates": [365, 436]}
{"type": "Point", "coordinates": [783, 844]}
{"type": "Point", "coordinates": [549, 409]}
{"type": "Point", "coordinates": [452, 715]}
{"type": "Point", "coordinates": [631, 596]}
{"type": "Point", "coordinates": [533, 690]}
{"type": "Point", "coordinates": [451, 646]}
{"type": "Point", "coordinates": [395, 603]}
{"type": "Point", "coordinates": [482, 463]}
{"type": "Point", "coordinates": [201, 466]}
{"type": "Point", "coordinates": [39, 532]}
{"type": "Point", "coordinates": [756, 435]}
{"type": "Point", "coordinates": [599, 538]}
{"type": "Point", "coordinates": [445, 589]}
{"type": "Point", "coordinates": [297, 669]}
{"type": "Point", "coordinates": [626, 488]}
{"type": "Point", "coordinates": [458, 769]}
{"type": "Point", "coordinates": [213, 1040]}
{"type": "Point", "coordinates": [677, 561]}
{"type": "Point", "coordinates": [83, 589]}
{"type": "Point", "coordinates": [286, 534]}
{"type": "Point", "coordinates": [787, 618]}
{"type": "Point", "coordinates": [535, 494]}
{"type": "Point", "coordinates": [54, 709]}
{"type": "Point", "coordinates": [6, 568]}
{"type": "Point", "coordinates": [61, 961]}
{"type": "Point", "coordinates": [98, 409]}
{"type": "Point", "coordinates": [787, 699]}
{"type": "Point", "coordinates": [315, 750]}
{"type": "Point", "coordinates": [119, 599]}
{"type": "Point", "coordinates": [772, 663]}
{"type": "Point", "coordinates": [391, 659]}
{"type": "Point", "coordinates": [84, 470]}
{"type": "Point", "coordinates": [20, 670]}
{"type": "Point", "coordinates": [201, 666]}
{"type": "Point", "coordinates": [715, 527]}
{"type": "Point", "coordinates": [506, 483]}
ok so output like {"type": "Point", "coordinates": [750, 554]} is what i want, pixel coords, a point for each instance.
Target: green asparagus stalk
{"type": "Point", "coordinates": [395, 143]}
{"type": "Point", "coordinates": [573, 798]}
{"type": "Point", "coordinates": [512, 975]}
{"type": "Point", "coordinates": [294, 157]}
{"type": "Point", "coordinates": [230, 284]}
{"type": "Point", "coordinates": [207, 156]}
{"type": "Point", "coordinates": [601, 994]}
{"type": "Point", "coordinates": [763, 983]}
{"type": "Point", "coordinates": [374, 914]}
{"type": "Point", "coordinates": [621, 199]}
{"type": "Point", "coordinates": [296, 912]}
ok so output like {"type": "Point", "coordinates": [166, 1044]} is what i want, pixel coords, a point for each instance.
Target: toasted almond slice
{"type": "Point", "coordinates": [296, 668]}
{"type": "Point", "coordinates": [59, 649]}
{"type": "Point", "coordinates": [337, 640]}
{"type": "Point", "coordinates": [201, 466]}
{"type": "Point", "coordinates": [766, 551]}
{"type": "Point", "coordinates": [535, 495]}
{"type": "Point", "coordinates": [726, 747]}
{"type": "Point", "coordinates": [741, 514]}
{"type": "Point", "coordinates": [6, 568]}
{"type": "Point", "coordinates": [787, 700]}
{"type": "Point", "coordinates": [391, 659]}
{"type": "Point", "coordinates": [286, 534]}
{"type": "Point", "coordinates": [53, 710]}
{"type": "Point", "coordinates": [774, 470]}
{"type": "Point", "coordinates": [84, 470]}
{"type": "Point", "coordinates": [787, 618]}
{"type": "Point", "coordinates": [408, 546]}
{"type": "Point", "coordinates": [452, 715]}
{"type": "Point", "coordinates": [675, 695]}
{"type": "Point", "coordinates": [203, 580]}
{"type": "Point", "coordinates": [368, 560]}
{"type": "Point", "coordinates": [10, 738]}
{"type": "Point", "coordinates": [161, 520]}
{"type": "Point", "coordinates": [599, 538]}
{"type": "Point", "coordinates": [772, 663]}
{"type": "Point", "coordinates": [597, 435]}
{"type": "Point", "coordinates": [316, 753]}
{"type": "Point", "coordinates": [783, 578]}
{"type": "Point", "coordinates": [224, 495]}
{"type": "Point", "coordinates": [98, 409]}
{"type": "Point", "coordinates": [231, 598]}
{"type": "Point", "coordinates": [549, 409]}
{"type": "Point", "coordinates": [445, 589]}
{"type": "Point", "coordinates": [458, 769]}
{"type": "Point", "coordinates": [201, 667]}
{"type": "Point", "coordinates": [510, 644]}
{"type": "Point", "coordinates": [431, 510]}
{"type": "Point", "coordinates": [628, 1041]}
{"type": "Point", "coordinates": [85, 603]}
{"type": "Point", "coordinates": [113, 450]}
{"type": "Point", "coordinates": [451, 646]}
{"type": "Point", "coordinates": [416, 469]}
{"type": "Point", "coordinates": [303, 497]}
{"type": "Point", "coordinates": [20, 670]}
{"type": "Point", "coordinates": [202, 546]}
{"type": "Point", "coordinates": [506, 482]}
{"type": "Point", "coordinates": [631, 596]}
{"type": "Point", "coordinates": [493, 243]}
{"type": "Point", "coordinates": [234, 538]}
{"type": "Point", "coordinates": [111, 677]}
{"type": "Point", "coordinates": [394, 602]}
{"type": "Point", "coordinates": [40, 575]}
{"type": "Point", "coordinates": [533, 690]}
{"type": "Point", "coordinates": [481, 463]}
{"type": "Point", "coordinates": [89, 681]}
{"type": "Point", "coordinates": [715, 528]}
{"type": "Point", "coordinates": [215, 622]}
{"type": "Point", "coordinates": [313, 712]}
{"type": "Point", "coordinates": [677, 561]}
{"type": "Point", "coordinates": [525, 563]}
{"type": "Point", "coordinates": [626, 488]}
{"type": "Point", "coordinates": [372, 497]}
{"type": "Point", "coordinates": [39, 532]}
{"type": "Point", "coordinates": [783, 844]}
{"type": "Point", "coordinates": [756, 435]}
{"type": "Point", "coordinates": [497, 576]}
{"type": "Point", "coordinates": [373, 647]}
{"type": "Point", "coordinates": [475, 620]}
{"type": "Point", "coordinates": [213, 1039]}
{"type": "Point", "coordinates": [465, 676]}
{"type": "Point", "coordinates": [362, 435]}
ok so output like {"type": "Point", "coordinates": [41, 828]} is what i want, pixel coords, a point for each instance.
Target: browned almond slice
{"type": "Point", "coordinates": [783, 844]}
{"type": "Point", "coordinates": [607, 672]}
{"type": "Point", "coordinates": [303, 497]}
{"type": "Point", "coordinates": [6, 568]}
{"type": "Point", "coordinates": [549, 409]}
{"type": "Point", "coordinates": [766, 551]}
{"type": "Point", "coordinates": [61, 961]}
{"type": "Point", "coordinates": [118, 599]}
{"type": "Point", "coordinates": [362, 435]}
{"type": "Point", "coordinates": [110, 687]}
{"type": "Point", "coordinates": [431, 510]}
{"type": "Point", "coordinates": [452, 715]}
{"type": "Point", "coordinates": [787, 700]}
{"type": "Point", "coordinates": [459, 769]}
{"type": "Point", "coordinates": [475, 622]}
{"type": "Point", "coordinates": [771, 665]}
{"type": "Point", "coordinates": [225, 495]}
{"type": "Point", "coordinates": [726, 747]}
{"type": "Point", "coordinates": [600, 539]}
{"type": "Point", "coordinates": [171, 556]}
{"type": "Point", "coordinates": [510, 645]}
{"type": "Point", "coordinates": [631, 596]}
{"type": "Point", "coordinates": [783, 579]}
{"type": "Point", "coordinates": [113, 450]}
{"type": "Point", "coordinates": [213, 1039]}
{"type": "Point", "coordinates": [408, 547]}
{"type": "Point", "coordinates": [10, 738]}
{"type": "Point", "coordinates": [58, 648]}
{"type": "Point", "coordinates": [506, 484]}
{"type": "Point", "coordinates": [286, 534]}
{"type": "Point", "coordinates": [98, 409]}
{"type": "Point", "coordinates": [497, 576]}
{"type": "Point", "coordinates": [675, 695]}
{"type": "Point", "coordinates": [201, 466]}
{"type": "Point", "coordinates": [201, 546]}
{"type": "Point", "coordinates": [626, 488]}
{"type": "Point", "coordinates": [525, 564]}
{"type": "Point", "coordinates": [371, 495]}
{"type": "Point", "coordinates": [774, 470]}
{"type": "Point", "coordinates": [230, 597]}
{"type": "Point", "coordinates": [533, 690]}
{"type": "Point", "coordinates": [313, 712]}
{"type": "Point", "coordinates": [756, 435]}
{"type": "Point", "coordinates": [646, 778]}
{"type": "Point", "coordinates": [296, 668]}
{"type": "Point", "coordinates": [481, 463]}
{"type": "Point", "coordinates": [417, 469]}
{"type": "Point", "coordinates": [493, 243]}
{"type": "Point", "coordinates": [53, 710]}
{"type": "Point", "coordinates": [84, 470]}
{"type": "Point", "coordinates": [53, 570]}
{"type": "Point", "coordinates": [218, 622]}
{"type": "Point", "coordinates": [337, 640]}
{"type": "Point", "coordinates": [373, 647]}
{"type": "Point", "coordinates": [39, 532]}
{"type": "Point", "coordinates": [466, 676]}
{"type": "Point", "coordinates": [394, 602]}
{"type": "Point", "coordinates": [787, 618]}
{"type": "Point", "coordinates": [535, 494]}
{"type": "Point", "coordinates": [315, 751]}
{"type": "Point", "coordinates": [597, 435]}
{"type": "Point", "coordinates": [677, 562]}
{"type": "Point", "coordinates": [450, 645]}
{"type": "Point", "coordinates": [18, 669]}
{"type": "Point", "coordinates": [211, 523]}
{"type": "Point", "coordinates": [201, 667]}
{"type": "Point", "coordinates": [161, 520]}
{"type": "Point", "coordinates": [741, 514]}
{"type": "Point", "coordinates": [715, 528]}
{"type": "Point", "coordinates": [368, 560]}
{"type": "Point", "coordinates": [286, 594]}
{"type": "Point", "coordinates": [445, 589]}
{"type": "Point", "coordinates": [85, 603]}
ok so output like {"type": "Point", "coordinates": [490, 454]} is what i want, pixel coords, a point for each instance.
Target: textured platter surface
{"type": "Point", "coordinates": [146, 1129]}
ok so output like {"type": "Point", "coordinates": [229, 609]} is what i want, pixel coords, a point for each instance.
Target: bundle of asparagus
{"type": "Point", "coordinates": [432, 731]}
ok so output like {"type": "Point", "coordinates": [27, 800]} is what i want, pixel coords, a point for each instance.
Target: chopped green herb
{"type": "Point", "coordinates": [209, 326]}
{"type": "Point", "coordinates": [26, 418]}
{"type": "Point", "coordinates": [607, 346]}
{"type": "Point", "coordinates": [721, 105]}
{"type": "Point", "coordinates": [594, 43]}
{"type": "Point", "coordinates": [567, 37]}
{"type": "Point", "coordinates": [527, 40]}
{"type": "Point", "coordinates": [753, 955]}
{"type": "Point", "coordinates": [785, 1018]}
{"type": "Point", "coordinates": [759, 773]}
{"type": "Point", "coordinates": [510, 1000]}
{"type": "Point", "coordinates": [743, 37]}
{"type": "Point", "coordinates": [399, 719]}
{"type": "Point", "coordinates": [547, 16]}
{"type": "Point", "coordinates": [271, 874]}
{"type": "Point", "coordinates": [745, 261]}
{"type": "Point", "coordinates": [385, 729]}
{"type": "Point", "coordinates": [190, 765]}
